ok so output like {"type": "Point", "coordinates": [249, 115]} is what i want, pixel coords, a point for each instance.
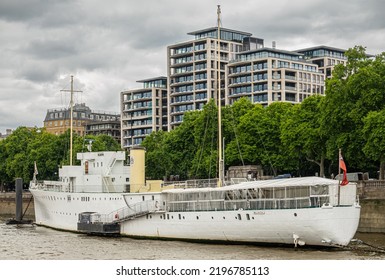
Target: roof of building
{"type": "Point", "coordinates": [271, 50]}
{"type": "Point", "coordinates": [322, 47]}
{"type": "Point", "coordinates": [152, 79]}
{"type": "Point", "coordinates": [215, 28]}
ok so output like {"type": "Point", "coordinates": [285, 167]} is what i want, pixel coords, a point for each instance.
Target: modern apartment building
{"type": "Point", "coordinates": [193, 68]}
{"type": "Point", "coordinates": [266, 75]}
{"type": "Point", "coordinates": [325, 57]}
{"type": "Point", "coordinates": [143, 111]}
{"type": "Point", "coordinates": [106, 127]}
{"type": "Point", "coordinates": [247, 69]}
{"type": "Point", "coordinates": [58, 121]}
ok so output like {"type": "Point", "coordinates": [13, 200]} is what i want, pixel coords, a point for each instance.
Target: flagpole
{"type": "Point", "coordinates": [339, 176]}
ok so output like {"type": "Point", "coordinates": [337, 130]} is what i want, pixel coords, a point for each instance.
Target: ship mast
{"type": "Point", "coordinates": [220, 159]}
{"type": "Point", "coordinates": [71, 112]}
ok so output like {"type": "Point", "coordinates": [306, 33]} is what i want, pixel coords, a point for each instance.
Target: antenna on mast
{"type": "Point", "coordinates": [71, 112]}
{"type": "Point", "coordinates": [220, 159]}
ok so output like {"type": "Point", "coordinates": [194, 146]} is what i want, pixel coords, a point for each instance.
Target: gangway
{"type": "Point", "coordinates": [109, 224]}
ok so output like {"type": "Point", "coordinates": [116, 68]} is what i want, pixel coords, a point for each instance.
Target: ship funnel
{"type": "Point", "coordinates": [137, 166]}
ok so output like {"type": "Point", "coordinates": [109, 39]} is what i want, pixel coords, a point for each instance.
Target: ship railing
{"type": "Point", "coordinates": [246, 204]}
{"type": "Point", "coordinates": [129, 212]}
{"type": "Point", "coordinates": [52, 186]}
{"type": "Point", "coordinates": [199, 183]}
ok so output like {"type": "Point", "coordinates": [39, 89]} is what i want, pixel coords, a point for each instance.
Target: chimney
{"type": "Point", "coordinates": [274, 44]}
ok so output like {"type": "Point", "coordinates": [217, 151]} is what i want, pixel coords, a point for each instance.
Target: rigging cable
{"type": "Point", "coordinates": [211, 149]}
{"type": "Point", "coordinates": [202, 146]}
{"type": "Point", "coordinates": [268, 157]}
{"type": "Point", "coordinates": [236, 135]}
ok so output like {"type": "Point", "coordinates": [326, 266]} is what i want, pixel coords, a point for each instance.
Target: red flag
{"type": "Point", "coordinates": [343, 167]}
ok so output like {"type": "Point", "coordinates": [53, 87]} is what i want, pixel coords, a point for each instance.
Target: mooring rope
{"type": "Point", "coordinates": [371, 249]}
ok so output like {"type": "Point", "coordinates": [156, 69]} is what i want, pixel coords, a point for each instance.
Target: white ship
{"type": "Point", "coordinates": [102, 195]}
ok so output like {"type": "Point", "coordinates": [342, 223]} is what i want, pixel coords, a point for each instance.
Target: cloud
{"type": "Point", "coordinates": [109, 45]}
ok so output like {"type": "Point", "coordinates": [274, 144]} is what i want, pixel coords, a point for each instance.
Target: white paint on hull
{"type": "Point", "coordinates": [313, 225]}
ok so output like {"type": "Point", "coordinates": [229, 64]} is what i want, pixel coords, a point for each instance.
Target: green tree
{"type": "Point", "coordinates": [302, 134]}
{"type": "Point", "coordinates": [374, 131]}
{"type": "Point", "coordinates": [260, 138]}
{"type": "Point", "coordinates": [205, 133]}
{"type": "Point", "coordinates": [43, 150]}
{"type": "Point", "coordinates": [17, 163]}
{"type": "Point", "coordinates": [157, 161]}
{"type": "Point", "coordinates": [4, 178]}
{"type": "Point", "coordinates": [231, 117]}
{"type": "Point", "coordinates": [103, 142]}
{"type": "Point", "coordinates": [355, 89]}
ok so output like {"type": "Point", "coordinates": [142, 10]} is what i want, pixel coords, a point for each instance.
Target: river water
{"type": "Point", "coordinates": [30, 242]}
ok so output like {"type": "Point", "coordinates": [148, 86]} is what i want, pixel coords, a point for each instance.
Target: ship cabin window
{"type": "Point", "coordinates": [142, 197]}
{"type": "Point", "coordinates": [239, 217]}
{"type": "Point", "coordinates": [113, 179]}
{"type": "Point", "coordinates": [153, 198]}
{"type": "Point", "coordinates": [180, 216]}
{"type": "Point", "coordinates": [279, 193]}
{"type": "Point", "coordinates": [248, 216]}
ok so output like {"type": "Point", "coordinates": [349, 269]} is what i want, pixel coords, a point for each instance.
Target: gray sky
{"type": "Point", "coordinates": [109, 45]}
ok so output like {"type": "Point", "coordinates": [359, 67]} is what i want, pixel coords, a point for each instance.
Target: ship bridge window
{"type": "Point", "coordinates": [267, 193]}
{"type": "Point", "coordinates": [279, 193]}
{"type": "Point", "coordinates": [319, 190]}
{"type": "Point", "coordinates": [294, 192]}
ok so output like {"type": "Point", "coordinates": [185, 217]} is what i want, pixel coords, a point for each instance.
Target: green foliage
{"type": "Point", "coordinates": [157, 162]}
{"type": "Point", "coordinates": [374, 131]}
{"type": "Point", "coordinates": [25, 146]}
{"type": "Point", "coordinates": [352, 93]}
{"type": "Point", "coordinates": [302, 135]}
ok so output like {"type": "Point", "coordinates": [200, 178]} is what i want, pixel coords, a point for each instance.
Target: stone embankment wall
{"type": "Point", "coordinates": [8, 204]}
{"type": "Point", "coordinates": [372, 200]}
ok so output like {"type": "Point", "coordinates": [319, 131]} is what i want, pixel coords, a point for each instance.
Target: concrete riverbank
{"type": "Point", "coordinates": [371, 193]}
{"type": "Point", "coordinates": [8, 204]}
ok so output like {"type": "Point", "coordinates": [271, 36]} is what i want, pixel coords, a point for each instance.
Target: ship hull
{"type": "Point", "coordinates": [60, 210]}
{"type": "Point", "coordinates": [313, 226]}
{"type": "Point", "coordinates": [321, 226]}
